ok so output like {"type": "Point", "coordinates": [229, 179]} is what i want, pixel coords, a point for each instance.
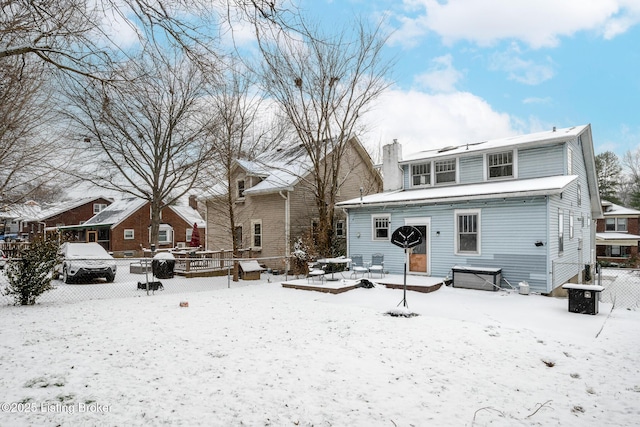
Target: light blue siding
{"type": "Point", "coordinates": [541, 161]}
{"type": "Point", "coordinates": [509, 230]}
{"type": "Point", "coordinates": [471, 169]}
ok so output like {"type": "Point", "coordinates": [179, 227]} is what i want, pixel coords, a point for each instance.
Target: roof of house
{"type": "Point", "coordinates": [611, 209]}
{"type": "Point", "coordinates": [116, 212]}
{"type": "Point", "coordinates": [58, 208]}
{"type": "Point", "coordinates": [190, 215]}
{"type": "Point", "coordinates": [281, 169]}
{"type": "Point", "coordinates": [121, 209]}
{"type": "Point", "coordinates": [520, 141]}
{"type": "Point", "coordinates": [480, 191]}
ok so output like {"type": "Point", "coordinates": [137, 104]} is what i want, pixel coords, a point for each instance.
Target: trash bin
{"type": "Point", "coordinates": [583, 299]}
{"type": "Point", "coordinates": [163, 265]}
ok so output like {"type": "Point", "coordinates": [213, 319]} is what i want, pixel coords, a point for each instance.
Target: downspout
{"type": "Point", "coordinates": [287, 229]}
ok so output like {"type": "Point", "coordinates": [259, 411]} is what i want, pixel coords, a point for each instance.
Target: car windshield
{"type": "Point", "coordinates": [87, 249]}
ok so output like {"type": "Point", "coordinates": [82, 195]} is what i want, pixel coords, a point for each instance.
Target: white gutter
{"type": "Point", "coordinates": [287, 227]}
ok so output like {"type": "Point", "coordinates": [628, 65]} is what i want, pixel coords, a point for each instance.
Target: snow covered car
{"type": "Point", "coordinates": [3, 259]}
{"type": "Point", "coordinates": [85, 261]}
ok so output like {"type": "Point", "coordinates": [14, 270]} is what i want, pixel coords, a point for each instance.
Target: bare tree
{"type": "Point", "coordinates": [240, 127]}
{"type": "Point", "coordinates": [145, 132]}
{"type": "Point", "coordinates": [29, 142]}
{"type": "Point", "coordinates": [324, 84]}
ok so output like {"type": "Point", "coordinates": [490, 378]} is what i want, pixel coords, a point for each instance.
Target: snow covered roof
{"type": "Point", "coordinates": [22, 211]}
{"type": "Point", "coordinates": [611, 209]}
{"type": "Point", "coordinates": [608, 236]}
{"type": "Point", "coordinates": [515, 188]}
{"type": "Point", "coordinates": [58, 208]}
{"type": "Point", "coordinates": [116, 212]}
{"type": "Point", "coordinates": [190, 215]}
{"type": "Point", "coordinates": [532, 139]}
{"type": "Point", "coordinates": [280, 169]}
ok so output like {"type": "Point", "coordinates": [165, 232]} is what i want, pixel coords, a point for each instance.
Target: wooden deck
{"type": "Point", "coordinates": [424, 284]}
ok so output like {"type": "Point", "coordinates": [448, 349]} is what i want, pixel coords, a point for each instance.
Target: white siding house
{"type": "Point", "coordinates": [526, 204]}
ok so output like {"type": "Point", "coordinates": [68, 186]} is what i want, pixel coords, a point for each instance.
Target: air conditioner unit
{"type": "Point", "coordinates": [181, 245]}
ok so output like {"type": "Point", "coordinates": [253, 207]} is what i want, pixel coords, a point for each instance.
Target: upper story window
{"type": "Point", "coordinates": [500, 165]}
{"type": "Point", "coordinates": [579, 194]}
{"type": "Point", "coordinates": [569, 161]}
{"type": "Point", "coordinates": [421, 174]}
{"type": "Point", "coordinates": [98, 207]}
{"type": "Point", "coordinates": [240, 188]}
{"type": "Point", "coordinates": [129, 234]}
{"type": "Point", "coordinates": [445, 171]}
{"type": "Point", "coordinates": [616, 224]}
{"type": "Point", "coordinates": [381, 225]}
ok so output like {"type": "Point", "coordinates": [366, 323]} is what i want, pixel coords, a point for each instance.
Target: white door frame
{"type": "Point", "coordinates": [424, 221]}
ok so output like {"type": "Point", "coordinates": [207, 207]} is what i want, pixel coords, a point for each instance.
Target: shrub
{"type": "Point", "coordinates": [30, 276]}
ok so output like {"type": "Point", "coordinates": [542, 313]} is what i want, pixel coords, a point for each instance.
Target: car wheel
{"type": "Point", "coordinates": [65, 276]}
{"type": "Point", "coordinates": [110, 277]}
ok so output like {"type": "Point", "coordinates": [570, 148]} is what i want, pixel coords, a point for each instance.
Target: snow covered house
{"type": "Point", "coordinates": [123, 227]}
{"type": "Point", "coordinates": [274, 203]}
{"type": "Point", "coordinates": [618, 234]}
{"type": "Point", "coordinates": [71, 212]}
{"type": "Point", "coordinates": [525, 206]}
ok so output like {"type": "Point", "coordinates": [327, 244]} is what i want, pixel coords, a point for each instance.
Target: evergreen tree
{"type": "Point", "coordinates": [30, 276]}
{"type": "Point", "coordinates": [609, 176]}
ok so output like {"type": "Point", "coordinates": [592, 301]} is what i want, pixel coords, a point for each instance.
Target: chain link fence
{"type": "Point", "coordinates": [139, 277]}
{"type": "Point", "coordinates": [621, 287]}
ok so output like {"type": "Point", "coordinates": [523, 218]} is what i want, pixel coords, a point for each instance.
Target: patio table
{"type": "Point", "coordinates": [337, 260]}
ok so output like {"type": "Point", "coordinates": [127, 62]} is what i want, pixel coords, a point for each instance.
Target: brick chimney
{"type": "Point", "coordinates": [193, 202]}
{"type": "Point", "coordinates": [392, 177]}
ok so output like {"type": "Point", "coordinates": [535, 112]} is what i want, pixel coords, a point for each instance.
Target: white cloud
{"type": "Point", "coordinates": [441, 76]}
{"type": "Point", "coordinates": [521, 70]}
{"type": "Point", "coordinates": [539, 23]}
{"type": "Point", "coordinates": [422, 121]}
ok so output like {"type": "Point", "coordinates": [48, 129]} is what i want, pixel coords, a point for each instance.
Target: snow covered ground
{"type": "Point", "coordinates": [259, 354]}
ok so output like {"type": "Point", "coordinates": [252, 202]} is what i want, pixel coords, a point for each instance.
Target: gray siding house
{"type": "Point", "coordinates": [526, 204]}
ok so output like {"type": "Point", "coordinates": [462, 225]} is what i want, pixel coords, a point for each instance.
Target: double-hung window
{"type": "Point", "coordinates": [467, 232]}
{"type": "Point", "coordinates": [129, 234]}
{"type": "Point", "coordinates": [421, 174]}
{"type": "Point", "coordinates": [445, 171]}
{"type": "Point", "coordinates": [381, 225]}
{"type": "Point", "coordinates": [616, 224]}
{"type": "Point", "coordinates": [500, 165]}
{"type": "Point", "coordinates": [241, 189]}
{"type": "Point", "coordinates": [560, 231]}
{"type": "Point", "coordinates": [256, 233]}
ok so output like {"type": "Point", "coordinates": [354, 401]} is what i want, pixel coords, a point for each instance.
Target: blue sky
{"type": "Point", "coordinates": [470, 70]}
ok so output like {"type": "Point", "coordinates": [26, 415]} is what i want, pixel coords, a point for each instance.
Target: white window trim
{"type": "Point", "coordinates": [99, 206]}
{"type": "Point", "coordinates": [456, 243]}
{"type": "Point", "coordinates": [434, 178]}
{"type": "Point", "coordinates": [244, 188]}
{"type": "Point", "coordinates": [569, 160]}
{"type": "Point", "coordinates": [430, 183]}
{"type": "Point", "coordinates": [373, 227]}
{"type": "Point", "coordinates": [253, 234]}
{"type": "Point", "coordinates": [344, 229]}
{"type": "Point", "coordinates": [168, 229]}
{"type": "Point", "coordinates": [188, 234]}
{"type": "Point", "coordinates": [132, 234]}
{"type": "Point", "coordinates": [560, 231]}
{"type": "Point", "coordinates": [485, 168]}
{"type": "Point", "coordinates": [571, 231]}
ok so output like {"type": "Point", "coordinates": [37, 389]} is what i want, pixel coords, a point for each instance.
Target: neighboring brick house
{"type": "Point", "coordinates": [618, 234]}
{"type": "Point", "coordinates": [30, 219]}
{"type": "Point", "coordinates": [274, 203]}
{"type": "Point", "coordinates": [123, 227]}
{"type": "Point", "coordinates": [73, 212]}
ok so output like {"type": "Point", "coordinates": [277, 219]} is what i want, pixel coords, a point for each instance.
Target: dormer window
{"type": "Point", "coordinates": [500, 165]}
{"type": "Point", "coordinates": [421, 174]}
{"type": "Point", "coordinates": [241, 189]}
{"type": "Point", "coordinates": [445, 171]}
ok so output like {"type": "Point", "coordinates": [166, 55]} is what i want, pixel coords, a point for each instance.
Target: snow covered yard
{"type": "Point", "coordinates": [264, 355]}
